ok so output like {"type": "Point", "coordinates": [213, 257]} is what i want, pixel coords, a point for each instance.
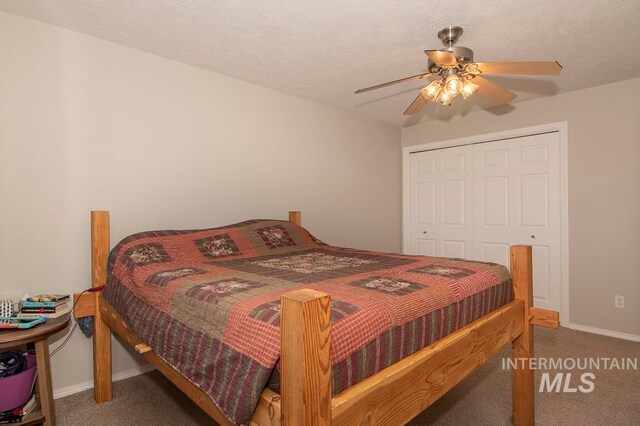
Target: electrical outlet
{"type": "Point", "coordinates": [619, 301]}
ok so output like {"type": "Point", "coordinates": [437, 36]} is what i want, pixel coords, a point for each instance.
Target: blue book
{"type": "Point", "coordinates": [28, 304]}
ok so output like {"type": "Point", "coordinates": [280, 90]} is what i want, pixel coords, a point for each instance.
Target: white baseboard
{"type": "Point", "coordinates": [603, 332]}
{"type": "Point", "coordinates": [70, 390]}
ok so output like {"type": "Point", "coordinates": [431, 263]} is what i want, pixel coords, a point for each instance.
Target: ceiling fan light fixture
{"type": "Point", "coordinates": [468, 88]}
{"type": "Point", "coordinates": [432, 90]}
{"type": "Point", "coordinates": [456, 73]}
{"type": "Point", "coordinates": [452, 85]}
{"type": "Point", "coordinates": [444, 98]}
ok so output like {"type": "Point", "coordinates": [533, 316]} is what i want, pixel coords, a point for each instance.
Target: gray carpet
{"type": "Point", "coordinates": [484, 398]}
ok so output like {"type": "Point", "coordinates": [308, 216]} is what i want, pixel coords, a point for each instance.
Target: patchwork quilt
{"type": "Point", "coordinates": [208, 303]}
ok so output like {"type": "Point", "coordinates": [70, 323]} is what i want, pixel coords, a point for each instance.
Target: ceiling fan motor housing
{"type": "Point", "coordinates": [464, 55]}
{"type": "Point", "coordinates": [449, 37]}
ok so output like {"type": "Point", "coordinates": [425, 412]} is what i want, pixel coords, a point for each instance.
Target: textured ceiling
{"type": "Point", "coordinates": [324, 50]}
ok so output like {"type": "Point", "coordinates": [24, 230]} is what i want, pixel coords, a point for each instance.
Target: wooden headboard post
{"type": "Point", "coordinates": [295, 217]}
{"type": "Point", "coordinates": [100, 245]}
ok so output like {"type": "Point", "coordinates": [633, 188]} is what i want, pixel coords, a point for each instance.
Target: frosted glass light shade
{"type": "Point", "coordinates": [468, 88]}
{"type": "Point", "coordinates": [444, 98]}
{"type": "Point", "coordinates": [432, 90]}
{"type": "Point", "coordinates": [452, 85]}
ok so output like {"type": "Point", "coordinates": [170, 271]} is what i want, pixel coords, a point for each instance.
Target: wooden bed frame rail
{"type": "Point", "coordinates": [391, 397]}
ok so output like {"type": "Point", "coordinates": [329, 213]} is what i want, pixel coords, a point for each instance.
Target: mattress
{"type": "Point", "coordinates": [208, 303]}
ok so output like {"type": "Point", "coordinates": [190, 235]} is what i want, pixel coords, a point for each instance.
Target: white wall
{"type": "Point", "coordinates": [604, 191]}
{"type": "Point", "coordinates": [87, 125]}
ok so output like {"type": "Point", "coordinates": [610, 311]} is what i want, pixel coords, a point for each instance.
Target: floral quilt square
{"type": "Point", "coordinates": [315, 265]}
{"type": "Point", "coordinates": [165, 277]}
{"type": "Point", "coordinates": [145, 254]}
{"type": "Point", "coordinates": [217, 246]}
{"type": "Point", "coordinates": [270, 312]}
{"type": "Point", "coordinates": [444, 271]}
{"type": "Point", "coordinates": [215, 290]}
{"type": "Point", "coordinates": [391, 286]}
{"type": "Point", "coordinates": [275, 237]}
{"type": "Point", "coordinates": [310, 263]}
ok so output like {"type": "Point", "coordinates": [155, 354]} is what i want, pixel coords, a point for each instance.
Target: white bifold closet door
{"type": "Point", "coordinates": [475, 201]}
{"type": "Point", "coordinates": [441, 198]}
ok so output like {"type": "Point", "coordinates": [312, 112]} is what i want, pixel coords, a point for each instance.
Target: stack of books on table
{"type": "Point", "coordinates": [44, 305]}
{"type": "Point", "coordinates": [17, 414]}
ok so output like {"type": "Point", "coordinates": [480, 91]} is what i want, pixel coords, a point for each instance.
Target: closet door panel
{"type": "Point", "coordinates": [495, 201]}
{"type": "Point", "coordinates": [441, 215]}
{"type": "Point", "coordinates": [454, 249]}
{"type": "Point", "coordinates": [426, 247]}
{"type": "Point", "coordinates": [542, 290]}
{"type": "Point", "coordinates": [426, 194]}
{"type": "Point", "coordinates": [456, 202]}
{"type": "Point", "coordinates": [495, 252]}
{"type": "Point", "coordinates": [454, 195]}
{"type": "Point", "coordinates": [423, 204]}
{"type": "Point", "coordinates": [517, 201]}
{"type": "Point", "coordinates": [534, 190]}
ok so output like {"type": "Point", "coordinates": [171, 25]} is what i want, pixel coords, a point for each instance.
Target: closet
{"type": "Point", "coordinates": [476, 200]}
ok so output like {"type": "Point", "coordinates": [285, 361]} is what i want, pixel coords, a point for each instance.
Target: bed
{"type": "Point", "coordinates": [261, 323]}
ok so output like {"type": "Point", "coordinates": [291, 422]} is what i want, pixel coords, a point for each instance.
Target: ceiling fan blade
{"type": "Point", "coordinates": [442, 58]}
{"type": "Point", "coordinates": [402, 80]}
{"type": "Point", "coordinates": [526, 68]}
{"type": "Point", "coordinates": [416, 105]}
{"type": "Point", "coordinates": [495, 92]}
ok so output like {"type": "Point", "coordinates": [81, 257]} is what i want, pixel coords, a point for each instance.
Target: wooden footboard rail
{"type": "Point", "coordinates": [391, 397]}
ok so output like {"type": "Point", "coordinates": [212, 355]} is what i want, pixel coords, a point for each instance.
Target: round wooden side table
{"type": "Point", "coordinates": [37, 337]}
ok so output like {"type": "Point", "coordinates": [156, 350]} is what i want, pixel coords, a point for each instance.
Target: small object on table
{"type": "Point", "coordinates": [42, 298]}
{"type": "Point", "coordinates": [46, 313]}
{"type": "Point", "coordinates": [6, 308]}
{"type": "Point", "coordinates": [20, 323]}
{"type": "Point", "coordinates": [44, 305]}
{"type": "Point", "coordinates": [20, 413]}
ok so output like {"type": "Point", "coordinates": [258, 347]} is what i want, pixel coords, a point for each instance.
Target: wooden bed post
{"type": "Point", "coordinates": [522, 347]}
{"type": "Point", "coordinates": [101, 332]}
{"type": "Point", "coordinates": [295, 217]}
{"type": "Point", "coordinates": [305, 358]}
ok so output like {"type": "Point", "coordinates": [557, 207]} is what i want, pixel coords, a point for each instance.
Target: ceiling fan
{"type": "Point", "coordinates": [456, 73]}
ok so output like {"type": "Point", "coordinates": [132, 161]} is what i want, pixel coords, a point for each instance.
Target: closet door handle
{"type": "Point", "coordinates": [533, 236]}
{"type": "Point", "coordinates": [424, 232]}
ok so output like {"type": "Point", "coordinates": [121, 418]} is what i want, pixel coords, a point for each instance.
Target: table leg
{"type": "Point", "coordinates": [44, 382]}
